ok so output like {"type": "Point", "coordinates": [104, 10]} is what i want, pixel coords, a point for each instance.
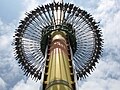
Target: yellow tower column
{"type": "Point", "coordinates": [59, 74]}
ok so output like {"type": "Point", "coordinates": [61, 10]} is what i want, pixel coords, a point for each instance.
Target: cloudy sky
{"type": "Point", "coordinates": [107, 73]}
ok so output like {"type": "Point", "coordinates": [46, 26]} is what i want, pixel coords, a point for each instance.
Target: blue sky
{"type": "Point", "coordinates": [107, 73]}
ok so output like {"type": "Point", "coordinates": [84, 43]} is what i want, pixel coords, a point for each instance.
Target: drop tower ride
{"type": "Point", "coordinates": [60, 43]}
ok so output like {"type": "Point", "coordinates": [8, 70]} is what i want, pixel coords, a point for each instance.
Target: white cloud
{"type": "Point", "coordinates": [28, 6]}
{"type": "Point", "coordinates": [31, 5]}
{"type": "Point", "coordinates": [4, 41]}
{"type": "Point", "coordinates": [114, 84]}
{"type": "Point", "coordinates": [9, 70]}
{"type": "Point", "coordinates": [2, 84]}
{"type": "Point", "coordinates": [90, 85]}
{"type": "Point", "coordinates": [29, 85]}
{"type": "Point", "coordinates": [10, 73]}
{"type": "Point", "coordinates": [105, 77]}
{"type": "Point", "coordinates": [112, 32]}
{"type": "Point", "coordinates": [106, 5]}
{"type": "Point", "coordinates": [107, 74]}
{"type": "Point", "coordinates": [57, 0]}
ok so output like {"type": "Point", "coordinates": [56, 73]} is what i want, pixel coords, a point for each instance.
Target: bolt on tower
{"type": "Point", "coordinates": [59, 42]}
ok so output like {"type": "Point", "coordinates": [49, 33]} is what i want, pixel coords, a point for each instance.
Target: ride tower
{"type": "Point", "coordinates": [58, 43]}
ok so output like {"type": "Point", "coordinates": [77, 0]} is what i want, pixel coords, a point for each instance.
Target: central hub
{"type": "Point", "coordinates": [65, 30]}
